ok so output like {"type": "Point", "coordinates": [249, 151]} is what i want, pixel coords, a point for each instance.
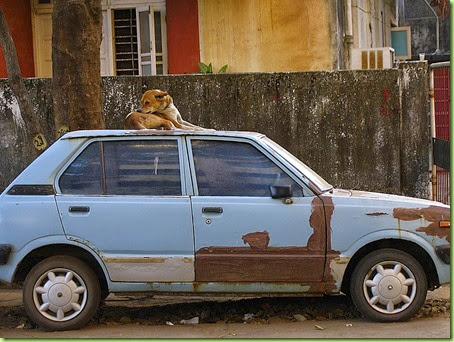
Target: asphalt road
{"type": "Point", "coordinates": [152, 317]}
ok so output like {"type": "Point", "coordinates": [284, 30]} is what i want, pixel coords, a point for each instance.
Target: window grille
{"type": "Point", "coordinates": [125, 42]}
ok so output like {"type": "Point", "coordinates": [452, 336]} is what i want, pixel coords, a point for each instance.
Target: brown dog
{"type": "Point", "coordinates": [158, 111]}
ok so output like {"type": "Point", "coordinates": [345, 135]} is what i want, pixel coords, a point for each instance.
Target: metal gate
{"type": "Point", "coordinates": [440, 130]}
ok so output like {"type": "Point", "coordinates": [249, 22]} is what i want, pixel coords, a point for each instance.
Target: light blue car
{"type": "Point", "coordinates": [208, 212]}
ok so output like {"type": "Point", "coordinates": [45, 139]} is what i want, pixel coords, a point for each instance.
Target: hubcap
{"type": "Point", "coordinates": [389, 287]}
{"type": "Point", "coordinates": [60, 294]}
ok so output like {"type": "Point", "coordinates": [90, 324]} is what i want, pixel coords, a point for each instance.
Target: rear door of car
{"type": "Point", "coordinates": [241, 233]}
{"type": "Point", "coordinates": [127, 200]}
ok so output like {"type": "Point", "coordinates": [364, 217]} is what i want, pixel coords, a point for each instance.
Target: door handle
{"type": "Point", "coordinates": [212, 210]}
{"type": "Point", "coordinates": [79, 209]}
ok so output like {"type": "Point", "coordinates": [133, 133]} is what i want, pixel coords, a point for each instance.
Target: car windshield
{"type": "Point", "coordinates": [299, 165]}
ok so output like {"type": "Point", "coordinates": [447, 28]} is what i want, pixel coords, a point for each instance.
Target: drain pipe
{"type": "Point", "coordinates": [348, 37]}
{"type": "Point", "coordinates": [437, 29]}
{"type": "Point", "coordinates": [433, 132]}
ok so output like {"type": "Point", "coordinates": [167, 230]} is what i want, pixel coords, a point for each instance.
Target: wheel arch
{"type": "Point", "coordinates": [43, 252]}
{"type": "Point", "coordinates": [412, 248]}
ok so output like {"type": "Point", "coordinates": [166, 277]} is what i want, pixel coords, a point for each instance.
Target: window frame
{"type": "Point", "coordinates": [185, 190]}
{"type": "Point", "coordinates": [153, 5]}
{"type": "Point", "coordinates": [278, 161]}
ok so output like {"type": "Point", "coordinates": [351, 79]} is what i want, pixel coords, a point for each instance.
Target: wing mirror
{"type": "Point", "coordinates": [281, 191]}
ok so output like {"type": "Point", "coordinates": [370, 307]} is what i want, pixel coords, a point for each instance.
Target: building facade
{"type": "Point", "coordinates": [152, 37]}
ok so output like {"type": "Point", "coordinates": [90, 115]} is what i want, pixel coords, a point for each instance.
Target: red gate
{"type": "Point", "coordinates": [441, 86]}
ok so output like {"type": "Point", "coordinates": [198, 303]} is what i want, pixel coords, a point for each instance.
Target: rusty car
{"type": "Point", "coordinates": [203, 212]}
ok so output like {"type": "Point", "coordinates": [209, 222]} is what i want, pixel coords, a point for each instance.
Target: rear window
{"type": "Point", "coordinates": [135, 167]}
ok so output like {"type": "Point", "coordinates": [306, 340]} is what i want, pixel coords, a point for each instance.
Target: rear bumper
{"type": "Point", "coordinates": [5, 251]}
{"type": "Point", "coordinates": [444, 253]}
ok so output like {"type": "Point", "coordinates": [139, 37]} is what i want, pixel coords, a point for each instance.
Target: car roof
{"type": "Point", "coordinates": [155, 132]}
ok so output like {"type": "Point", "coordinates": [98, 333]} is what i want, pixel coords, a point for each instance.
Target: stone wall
{"type": "Point", "coordinates": [366, 130]}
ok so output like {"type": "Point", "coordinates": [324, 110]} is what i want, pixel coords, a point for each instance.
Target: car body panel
{"type": "Point", "coordinates": [27, 218]}
{"type": "Point", "coordinates": [348, 219]}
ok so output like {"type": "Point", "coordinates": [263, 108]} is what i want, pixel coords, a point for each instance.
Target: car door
{"type": "Point", "coordinates": [127, 200]}
{"type": "Point", "coordinates": [241, 233]}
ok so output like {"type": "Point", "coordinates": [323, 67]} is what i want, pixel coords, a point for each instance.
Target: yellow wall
{"type": "Point", "coordinates": [266, 35]}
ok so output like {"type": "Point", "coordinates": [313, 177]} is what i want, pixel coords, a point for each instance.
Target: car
{"type": "Point", "coordinates": [203, 212]}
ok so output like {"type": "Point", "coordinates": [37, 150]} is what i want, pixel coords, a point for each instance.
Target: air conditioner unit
{"type": "Point", "coordinates": [374, 58]}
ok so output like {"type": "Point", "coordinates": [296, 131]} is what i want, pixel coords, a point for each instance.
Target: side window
{"type": "Point", "coordinates": [236, 169]}
{"type": "Point", "coordinates": [147, 167]}
{"type": "Point", "coordinates": [136, 167]}
{"type": "Point", "coordinates": [83, 176]}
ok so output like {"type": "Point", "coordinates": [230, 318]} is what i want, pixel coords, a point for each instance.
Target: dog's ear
{"type": "Point", "coordinates": [161, 93]}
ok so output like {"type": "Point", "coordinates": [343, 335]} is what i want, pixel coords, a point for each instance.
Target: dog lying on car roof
{"type": "Point", "coordinates": [159, 112]}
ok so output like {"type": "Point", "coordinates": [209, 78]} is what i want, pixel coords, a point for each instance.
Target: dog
{"type": "Point", "coordinates": [158, 111]}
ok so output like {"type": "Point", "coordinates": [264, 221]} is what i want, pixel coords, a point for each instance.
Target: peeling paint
{"type": "Point", "coordinates": [261, 262]}
{"type": "Point", "coordinates": [337, 267]}
{"type": "Point", "coordinates": [432, 214]}
{"type": "Point", "coordinates": [258, 240]}
{"type": "Point", "coordinates": [140, 269]}
{"type": "Point", "coordinates": [376, 214]}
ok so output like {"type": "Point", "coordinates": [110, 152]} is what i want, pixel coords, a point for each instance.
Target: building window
{"type": "Point", "coordinates": [139, 41]}
{"type": "Point", "coordinates": [134, 37]}
{"type": "Point", "coordinates": [125, 42]}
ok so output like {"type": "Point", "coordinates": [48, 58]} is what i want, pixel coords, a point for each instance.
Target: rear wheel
{"type": "Point", "coordinates": [61, 293]}
{"type": "Point", "coordinates": [388, 285]}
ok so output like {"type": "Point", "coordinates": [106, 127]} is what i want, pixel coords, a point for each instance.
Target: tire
{"type": "Point", "coordinates": [388, 285]}
{"type": "Point", "coordinates": [61, 293]}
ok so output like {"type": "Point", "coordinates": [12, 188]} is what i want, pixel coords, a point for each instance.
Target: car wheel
{"type": "Point", "coordinates": [61, 293]}
{"type": "Point", "coordinates": [388, 285]}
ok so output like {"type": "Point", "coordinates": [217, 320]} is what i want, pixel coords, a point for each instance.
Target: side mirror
{"type": "Point", "coordinates": [281, 191]}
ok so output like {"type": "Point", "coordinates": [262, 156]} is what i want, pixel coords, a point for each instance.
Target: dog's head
{"type": "Point", "coordinates": [155, 100]}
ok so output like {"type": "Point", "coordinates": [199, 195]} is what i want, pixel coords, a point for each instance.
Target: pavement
{"type": "Point", "coordinates": [146, 316]}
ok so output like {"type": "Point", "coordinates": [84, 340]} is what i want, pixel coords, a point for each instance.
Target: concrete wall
{"type": "Point", "coordinates": [359, 129]}
{"type": "Point", "coordinates": [423, 22]}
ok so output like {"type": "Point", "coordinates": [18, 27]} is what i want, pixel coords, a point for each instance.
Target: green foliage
{"type": "Point", "coordinates": [208, 69]}
{"type": "Point", "coordinates": [223, 69]}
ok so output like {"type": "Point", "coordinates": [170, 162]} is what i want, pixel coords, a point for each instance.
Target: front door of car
{"type": "Point", "coordinates": [126, 200]}
{"type": "Point", "coordinates": [241, 233]}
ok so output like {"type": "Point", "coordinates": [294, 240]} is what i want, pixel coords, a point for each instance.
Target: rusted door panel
{"type": "Point", "coordinates": [259, 240]}
{"type": "Point", "coordinates": [227, 264]}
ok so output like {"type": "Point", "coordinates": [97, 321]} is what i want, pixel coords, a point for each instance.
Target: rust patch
{"type": "Point", "coordinates": [433, 214]}
{"type": "Point", "coordinates": [434, 229]}
{"type": "Point", "coordinates": [407, 214]}
{"type": "Point", "coordinates": [260, 262]}
{"type": "Point", "coordinates": [272, 264]}
{"type": "Point", "coordinates": [317, 221]}
{"type": "Point", "coordinates": [257, 240]}
{"type": "Point", "coordinates": [376, 214]}
{"type": "Point", "coordinates": [329, 281]}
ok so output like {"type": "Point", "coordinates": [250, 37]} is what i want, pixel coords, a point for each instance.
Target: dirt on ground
{"type": "Point", "coordinates": [154, 311]}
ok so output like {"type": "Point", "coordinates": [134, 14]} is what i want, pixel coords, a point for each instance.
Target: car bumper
{"type": "Point", "coordinates": [444, 253]}
{"type": "Point", "coordinates": [5, 251]}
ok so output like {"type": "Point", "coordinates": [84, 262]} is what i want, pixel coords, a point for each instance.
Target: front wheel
{"type": "Point", "coordinates": [61, 293]}
{"type": "Point", "coordinates": [388, 285]}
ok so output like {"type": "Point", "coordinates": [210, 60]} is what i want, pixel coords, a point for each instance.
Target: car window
{"type": "Point", "coordinates": [142, 168]}
{"type": "Point", "coordinates": [136, 167]}
{"type": "Point", "coordinates": [83, 176]}
{"type": "Point", "coordinates": [225, 168]}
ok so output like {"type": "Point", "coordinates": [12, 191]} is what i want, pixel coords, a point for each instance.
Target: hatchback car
{"type": "Point", "coordinates": [207, 212]}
